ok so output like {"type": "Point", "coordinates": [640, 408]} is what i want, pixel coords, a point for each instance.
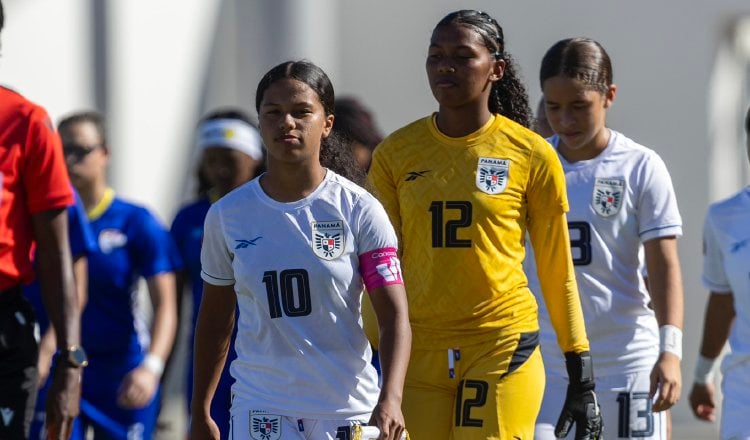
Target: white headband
{"type": "Point", "coordinates": [231, 133]}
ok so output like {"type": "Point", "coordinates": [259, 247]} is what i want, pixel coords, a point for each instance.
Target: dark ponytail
{"type": "Point", "coordinates": [335, 153]}
{"type": "Point", "coordinates": [508, 96]}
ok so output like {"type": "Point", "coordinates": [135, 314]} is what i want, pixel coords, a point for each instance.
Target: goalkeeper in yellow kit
{"type": "Point", "coordinates": [462, 187]}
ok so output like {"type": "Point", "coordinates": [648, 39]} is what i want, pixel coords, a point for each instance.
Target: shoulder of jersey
{"type": "Point", "coordinates": [14, 102]}
{"type": "Point", "coordinates": [236, 195]}
{"type": "Point", "coordinates": [633, 147]}
{"type": "Point", "coordinates": [405, 135]}
{"type": "Point", "coordinates": [346, 184]}
{"type": "Point", "coordinates": [734, 203]}
{"type": "Point", "coordinates": [522, 135]}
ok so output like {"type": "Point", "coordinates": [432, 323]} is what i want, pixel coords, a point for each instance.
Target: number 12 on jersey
{"type": "Point", "coordinates": [445, 234]}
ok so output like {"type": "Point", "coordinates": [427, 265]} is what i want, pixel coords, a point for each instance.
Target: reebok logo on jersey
{"type": "Point", "coordinates": [328, 239]}
{"type": "Point", "coordinates": [607, 196]}
{"type": "Point", "coordinates": [265, 427]}
{"type": "Point", "coordinates": [492, 175]}
{"type": "Point", "coordinates": [7, 415]}
{"type": "Point", "coordinates": [242, 244]}
{"type": "Point", "coordinates": [414, 175]}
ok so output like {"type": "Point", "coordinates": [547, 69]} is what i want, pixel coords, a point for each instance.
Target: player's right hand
{"type": "Point", "coordinates": [63, 400]}
{"type": "Point", "coordinates": [203, 428]}
{"type": "Point", "coordinates": [388, 417]}
{"type": "Point", "coordinates": [702, 401]}
{"type": "Point", "coordinates": [581, 405]}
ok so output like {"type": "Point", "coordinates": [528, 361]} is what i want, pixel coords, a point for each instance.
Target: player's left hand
{"type": "Point", "coordinates": [387, 416]}
{"type": "Point", "coordinates": [137, 388]}
{"type": "Point", "coordinates": [666, 378]}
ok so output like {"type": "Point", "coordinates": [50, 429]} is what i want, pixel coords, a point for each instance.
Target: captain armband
{"type": "Point", "coordinates": [670, 340]}
{"type": "Point", "coordinates": [380, 267]}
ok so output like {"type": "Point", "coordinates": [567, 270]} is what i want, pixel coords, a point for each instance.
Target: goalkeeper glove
{"type": "Point", "coordinates": [581, 406]}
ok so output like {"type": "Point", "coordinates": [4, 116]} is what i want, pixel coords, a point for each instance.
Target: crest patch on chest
{"type": "Point", "coordinates": [492, 175]}
{"type": "Point", "coordinates": [607, 196]}
{"type": "Point", "coordinates": [328, 239]}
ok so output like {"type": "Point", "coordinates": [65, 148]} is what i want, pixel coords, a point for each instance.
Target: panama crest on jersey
{"type": "Point", "coordinates": [265, 427]}
{"type": "Point", "coordinates": [328, 239]}
{"type": "Point", "coordinates": [492, 175]}
{"type": "Point", "coordinates": [607, 196]}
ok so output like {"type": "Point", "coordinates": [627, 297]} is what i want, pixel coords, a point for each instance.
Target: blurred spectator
{"type": "Point", "coordinates": [356, 124]}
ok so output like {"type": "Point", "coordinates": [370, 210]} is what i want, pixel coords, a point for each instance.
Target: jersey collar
{"type": "Point", "coordinates": [97, 211]}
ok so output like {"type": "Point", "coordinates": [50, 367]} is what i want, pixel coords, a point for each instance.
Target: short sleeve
{"type": "Point", "coordinates": [546, 191]}
{"type": "Point", "coordinates": [44, 174]}
{"type": "Point", "coordinates": [658, 215]}
{"type": "Point", "coordinates": [154, 250]}
{"type": "Point", "coordinates": [374, 229]}
{"type": "Point", "coordinates": [714, 277]}
{"type": "Point", "coordinates": [384, 186]}
{"type": "Point", "coordinates": [216, 258]}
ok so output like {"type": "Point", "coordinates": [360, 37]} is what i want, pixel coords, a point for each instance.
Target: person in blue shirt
{"type": "Point", "coordinates": [231, 153]}
{"type": "Point", "coordinates": [120, 395]}
{"type": "Point", "coordinates": [82, 244]}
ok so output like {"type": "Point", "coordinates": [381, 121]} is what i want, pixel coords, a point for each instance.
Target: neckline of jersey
{"type": "Point", "coordinates": [613, 138]}
{"type": "Point", "coordinates": [470, 139]}
{"type": "Point", "coordinates": [101, 207]}
{"type": "Point", "coordinates": [289, 206]}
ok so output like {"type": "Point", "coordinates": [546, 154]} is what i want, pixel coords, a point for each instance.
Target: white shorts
{"type": "Point", "coordinates": [259, 425]}
{"type": "Point", "coordinates": [624, 402]}
{"type": "Point", "coordinates": [736, 403]}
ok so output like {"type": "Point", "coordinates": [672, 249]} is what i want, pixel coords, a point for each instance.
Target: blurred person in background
{"type": "Point", "coordinates": [356, 124]}
{"type": "Point", "coordinates": [622, 208]}
{"type": "Point", "coordinates": [34, 195]}
{"type": "Point", "coordinates": [121, 387]}
{"type": "Point", "coordinates": [462, 187]}
{"type": "Point", "coordinates": [82, 244]}
{"type": "Point", "coordinates": [231, 154]}
{"type": "Point", "coordinates": [293, 250]}
{"type": "Point", "coordinates": [726, 274]}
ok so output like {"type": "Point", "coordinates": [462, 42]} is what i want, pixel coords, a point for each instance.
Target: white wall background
{"type": "Point", "coordinates": [682, 81]}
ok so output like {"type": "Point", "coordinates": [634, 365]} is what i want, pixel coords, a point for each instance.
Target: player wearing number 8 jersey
{"type": "Point", "coordinates": [462, 187]}
{"type": "Point", "coordinates": [621, 200]}
{"type": "Point", "coordinates": [293, 250]}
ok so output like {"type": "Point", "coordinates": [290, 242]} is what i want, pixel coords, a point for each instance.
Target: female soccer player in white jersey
{"type": "Point", "coordinates": [293, 249]}
{"type": "Point", "coordinates": [726, 273]}
{"type": "Point", "coordinates": [462, 187]}
{"type": "Point", "coordinates": [621, 200]}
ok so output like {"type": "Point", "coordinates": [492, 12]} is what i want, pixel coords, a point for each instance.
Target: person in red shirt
{"type": "Point", "coordinates": [34, 195]}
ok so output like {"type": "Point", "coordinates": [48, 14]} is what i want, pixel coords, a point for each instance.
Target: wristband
{"type": "Point", "coordinates": [704, 370]}
{"type": "Point", "coordinates": [154, 364]}
{"type": "Point", "coordinates": [670, 340]}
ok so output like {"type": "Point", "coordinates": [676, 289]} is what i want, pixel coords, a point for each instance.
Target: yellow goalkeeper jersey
{"type": "Point", "coordinates": [461, 208]}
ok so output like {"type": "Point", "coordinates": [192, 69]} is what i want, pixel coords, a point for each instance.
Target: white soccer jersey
{"type": "Point", "coordinates": [301, 350]}
{"type": "Point", "coordinates": [726, 265]}
{"type": "Point", "coordinates": [618, 200]}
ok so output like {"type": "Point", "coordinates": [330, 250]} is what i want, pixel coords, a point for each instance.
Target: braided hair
{"type": "Point", "coordinates": [582, 59]}
{"type": "Point", "coordinates": [508, 96]}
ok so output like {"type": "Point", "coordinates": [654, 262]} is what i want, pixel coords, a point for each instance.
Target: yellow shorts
{"type": "Point", "coordinates": [491, 390]}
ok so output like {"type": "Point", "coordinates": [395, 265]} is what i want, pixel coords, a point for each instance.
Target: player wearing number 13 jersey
{"type": "Point", "coordinates": [622, 206]}
{"type": "Point", "coordinates": [462, 187]}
